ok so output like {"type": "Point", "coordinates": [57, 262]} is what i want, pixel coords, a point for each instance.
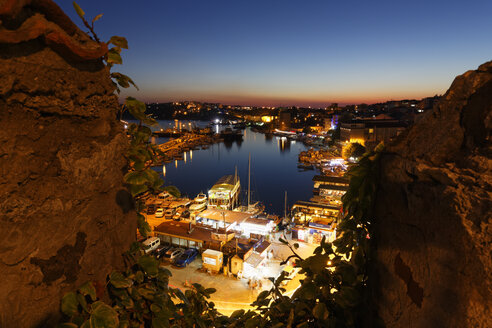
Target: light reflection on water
{"type": "Point", "coordinates": [273, 168]}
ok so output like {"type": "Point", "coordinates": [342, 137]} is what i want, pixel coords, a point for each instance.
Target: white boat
{"type": "Point", "coordinates": [199, 204]}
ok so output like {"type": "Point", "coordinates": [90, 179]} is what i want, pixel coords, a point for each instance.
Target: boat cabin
{"type": "Point", "coordinates": [224, 194]}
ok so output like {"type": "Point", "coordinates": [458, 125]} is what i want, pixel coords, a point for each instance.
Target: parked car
{"type": "Point", "coordinates": [169, 213]}
{"type": "Point", "coordinates": [172, 253]}
{"type": "Point", "coordinates": [177, 252]}
{"type": "Point", "coordinates": [177, 217]}
{"type": "Point", "coordinates": [151, 209]}
{"type": "Point", "coordinates": [185, 214]}
{"type": "Point", "coordinates": [159, 213]}
{"type": "Point", "coordinates": [186, 258]}
{"type": "Point", "coordinates": [161, 250]}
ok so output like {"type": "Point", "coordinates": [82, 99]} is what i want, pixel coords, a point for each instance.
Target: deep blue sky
{"type": "Point", "coordinates": [282, 52]}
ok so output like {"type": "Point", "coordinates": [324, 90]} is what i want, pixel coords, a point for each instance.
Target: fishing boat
{"type": "Point", "coordinates": [199, 203]}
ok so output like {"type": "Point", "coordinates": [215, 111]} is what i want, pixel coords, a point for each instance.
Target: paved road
{"type": "Point", "coordinates": [233, 294]}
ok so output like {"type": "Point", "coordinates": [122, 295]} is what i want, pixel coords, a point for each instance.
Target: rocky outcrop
{"type": "Point", "coordinates": [65, 216]}
{"type": "Point", "coordinates": [433, 226]}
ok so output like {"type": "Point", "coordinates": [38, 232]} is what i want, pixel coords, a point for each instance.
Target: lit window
{"type": "Point", "coordinates": [371, 130]}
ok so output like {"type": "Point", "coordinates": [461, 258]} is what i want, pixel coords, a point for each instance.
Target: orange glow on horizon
{"type": "Point", "coordinates": [316, 101]}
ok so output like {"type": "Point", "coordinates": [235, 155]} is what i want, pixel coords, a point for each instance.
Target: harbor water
{"type": "Point", "coordinates": [273, 168]}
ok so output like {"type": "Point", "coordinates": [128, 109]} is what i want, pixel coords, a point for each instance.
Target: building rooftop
{"type": "Point", "coordinates": [221, 215]}
{"type": "Point", "coordinates": [225, 183]}
{"type": "Point", "coordinates": [181, 230]}
{"type": "Point", "coordinates": [212, 252]}
{"type": "Point", "coordinates": [262, 246]}
{"type": "Point", "coordinates": [254, 260]}
{"type": "Point", "coordinates": [330, 179]}
{"type": "Point", "coordinates": [258, 221]}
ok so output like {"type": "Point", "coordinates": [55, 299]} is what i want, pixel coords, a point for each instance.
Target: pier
{"type": "Point", "coordinates": [173, 149]}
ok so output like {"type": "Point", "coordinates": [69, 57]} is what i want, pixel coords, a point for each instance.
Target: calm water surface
{"type": "Point", "coordinates": [273, 169]}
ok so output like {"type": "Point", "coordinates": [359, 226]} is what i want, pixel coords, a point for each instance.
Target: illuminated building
{"type": "Point", "coordinates": [370, 132]}
{"type": "Point", "coordinates": [284, 121]}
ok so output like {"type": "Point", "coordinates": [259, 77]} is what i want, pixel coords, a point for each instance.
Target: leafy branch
{"type": "Point", "coordinates": [81, 14]}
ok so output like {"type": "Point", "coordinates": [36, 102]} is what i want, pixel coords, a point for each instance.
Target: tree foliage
{"type": "Point", "coordinates": [173, 190]}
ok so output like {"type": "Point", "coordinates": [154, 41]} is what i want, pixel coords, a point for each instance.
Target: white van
{"type": "Point", "coordinates": [151, 244]}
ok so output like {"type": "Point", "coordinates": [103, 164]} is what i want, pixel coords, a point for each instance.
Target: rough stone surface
{"type": "Point", "coordinates": [433, 226]}
{"type": "Point", "coordinates": [65, 216]}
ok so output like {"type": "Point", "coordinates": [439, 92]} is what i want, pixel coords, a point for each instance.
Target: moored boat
{"type": "Point", "coordinates": [199, 204]}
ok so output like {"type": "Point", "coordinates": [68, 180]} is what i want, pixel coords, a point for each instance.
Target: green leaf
{"type": "Point", "coordinates": [114, 57]}
{"type": "Point", "coordinates": [103, 316]}
{"type": "Point", "coordinates": [136, 177]}
{"type": "Point", "coordinates": [123, 80]}
{"type": "Point", "coordinates": [119, 41]}
{"type": "Point", "coordinates": [149, 265]}
{"type": "Point", "coordinates": [143, 226]}
{"type": "Point", "coordinates": [136, 189]}
{"type": "Point", "coordinates": [263, 295]}
{"type": "Point", "coordinates": [237, 314]}
{"type": "Point", "coordinates": [347, 297]}
{"type": "Point", "coordinates": [316, 263]}
{"type": "Point", "coordinates": [155, 308]}
{"type": "Point", "coordinates": [127, 301]}
{"type": "Point", "coordinates": [308, 291]}
{"type": "Point", "coordinates": [98, 17]}
{"type": "Point", "coordinates": [208, 291]}
{"type": "Point", "coordinates": [88, 289]}
{"type": "Point", "coordinates": [118, 280]}
{"type": "Point", "coordinates": [146, 293]}
{"type": "Point", "coordinates": [82, 302]}
{"type": "Point", "coordinates": [320, 312]}
{"type": "Point", "coordinates": [157, 183]}
{"type": "Point", "coordinates": [79, 10]}
{"type": "Point", "coordinates": [69, 304]}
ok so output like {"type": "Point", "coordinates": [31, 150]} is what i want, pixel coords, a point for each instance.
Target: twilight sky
{"type": "Point", "coordinates": [283, 52]}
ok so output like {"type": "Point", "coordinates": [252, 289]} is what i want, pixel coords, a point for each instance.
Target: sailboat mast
{"type": "Point", "coordinates": [285, 205]}
{"type": "Point", "coordinates": [249, 179]}
{"type": "Point", "coordinates": [235, 183]}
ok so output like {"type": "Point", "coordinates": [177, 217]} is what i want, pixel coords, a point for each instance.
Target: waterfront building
{"type": "Point", "coordinates": [369, 133]}
{"type": "Point", "coordinates": [329, 189]}
{"type": "Point", "coordinates": [255, 260]}
{"type": "Point", "coordinates": [221, 219]}
{"type": "Point", "coordinates": [186, 235]}
{"type": "Point", "coordinates": [284, 120]}
{"type": "Point", "coordinates": [305, 212]}
{"type": "Point", "coordinates": [224, 193]}
{"type": "Point", "coordinates": [313, 233]}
